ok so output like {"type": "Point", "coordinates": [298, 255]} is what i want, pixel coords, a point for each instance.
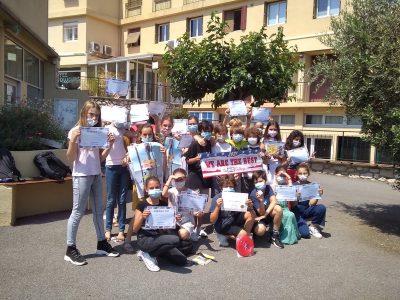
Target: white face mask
{"type": "Point", "coordinates": [303, 177]}
{"type": "Point", "coordinates": [179, 184]}
{"type": "Point", "coordinates": [91, 122]}
{"type": "Point", "coordinates": [272, 133]}
{"type": "Point", "coordinates": [296, 143]}
{"type": "Point", "coordinates": [281, 180]}
{"type": "Point", "coordinates": [252, 141]}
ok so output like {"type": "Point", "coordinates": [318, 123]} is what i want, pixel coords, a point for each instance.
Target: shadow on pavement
{"type": "Point", "coordinates": [383, 217]}
{"type": "Point", "coordinates": [45, 218]}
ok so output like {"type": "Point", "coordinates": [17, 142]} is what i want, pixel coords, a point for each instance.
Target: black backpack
{"type": "Point", "coordinates": [50, 166]}
{"type": "Point", "coordinates": [8, 170]}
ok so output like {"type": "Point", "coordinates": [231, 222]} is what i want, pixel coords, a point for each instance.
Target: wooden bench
{"type": "Point", "coordinates": [35, 195]}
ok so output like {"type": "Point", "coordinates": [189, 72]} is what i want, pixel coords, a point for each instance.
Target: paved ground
{"type": "Point", "coordinates": [358, 258]}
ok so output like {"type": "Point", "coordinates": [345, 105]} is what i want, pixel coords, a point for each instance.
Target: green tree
{"type": "Point", "coordinates": [364, 75]}
{"type": "Point", "coordinates": [259, 65]}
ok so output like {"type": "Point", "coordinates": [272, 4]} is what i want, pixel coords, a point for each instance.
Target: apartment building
{"type": "Point", "coordinates": [139, 32]}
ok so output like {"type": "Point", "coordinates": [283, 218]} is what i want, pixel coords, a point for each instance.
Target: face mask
{"type": "Point", "coordinates": [206, 135]}
{"type": "Point", "coordinates": [147, 140]}
{"type": "Point", "coordinates": [91, 122]}
{"type": "Point", "coordinates": [155, 193]}
{"type": "Point", "coordinates": [252, 141]}
{"type": "Point", "coordinates": [228, 189]}
{"type": "Point", "coordinates": [222, 138]}
{"type": "Point", "coordinates": [260, 185]}
{"type": "Point", "coordinates": [281, 180]}
{"type": "Point", "coordinates": [237, 137]}
{"type": "Point", "coordinates": [193, 128]}
{"type": "Point", "coordinates": [179, 184]}
{"type": "Point", "coordinates": [296, 143]}
{"type": "Point", "coordinates": [303, 177]}
{"type": "Point", "coordinates": [120, 125]}
{"type": "Point", "coordinates": [272, 133]}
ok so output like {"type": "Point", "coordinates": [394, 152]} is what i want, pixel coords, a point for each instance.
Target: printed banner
{"type": "Point", "coordinates": [217, 164]}
{"type": "Point", "coordinates": [146, 160]}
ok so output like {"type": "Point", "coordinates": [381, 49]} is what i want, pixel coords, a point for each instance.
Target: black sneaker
{"type": "Point", "coordinates": [74, 256]}
{"type": "Point", "coordinates": [104, 248]}
{"type": "Point", "coordinates": [276, 240]}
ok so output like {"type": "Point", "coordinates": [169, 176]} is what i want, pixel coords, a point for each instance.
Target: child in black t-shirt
{"type": "Point", "coordinates": [153, 243]}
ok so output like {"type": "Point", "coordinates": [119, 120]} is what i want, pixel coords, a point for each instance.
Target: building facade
{"type": "Point", "coordinates": [138, 33]}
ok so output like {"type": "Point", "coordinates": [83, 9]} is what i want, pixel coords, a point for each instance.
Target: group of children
{"type": "Point", "coordinates": [284, 222]}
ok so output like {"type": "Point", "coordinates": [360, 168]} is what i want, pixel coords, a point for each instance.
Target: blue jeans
{"type": "Point", "coordinates": [83, 187]}
{"type": "Point", "coordinates": [314, 212]}
{"type": "Point", "coordinates": [117, 180]}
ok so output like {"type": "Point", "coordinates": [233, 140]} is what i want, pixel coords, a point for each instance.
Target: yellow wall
{"type": "Point", "coordinates": [104, 33]}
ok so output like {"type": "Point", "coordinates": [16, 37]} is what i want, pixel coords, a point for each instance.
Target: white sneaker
{"type": "Point", "coordinates": [149, 261]}
{"type": "Point", "coordinates": [223, 240]}
{"type": "Point", "coordinates": [203, 233]}
{"type": "Point", "coordinates": [314, 231]}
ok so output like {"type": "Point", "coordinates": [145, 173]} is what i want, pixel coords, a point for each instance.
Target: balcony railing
{"type": "Point", "coordinates": [161, 4]}
{"type": "Point", "coordinates": [133, 8]}
{"type": "Point", "coordinates": [190, 1]}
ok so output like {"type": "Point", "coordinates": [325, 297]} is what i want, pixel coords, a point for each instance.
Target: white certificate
{"type": "Point", "coordinates": [274, 148]}
{"type": "Point", "coordinates": [309, 191]}
{"type": "Point", "coordinates": [93, 137]}
{"type": "Point", "coordinates": [157, 108]}
{"type": "Point", "coordinates": [237, 108]}
{"type": "Point", "coordinates": [298, 155]}
{"type": "Point", "coordinates": [185, 141]}
{"type": "Point", "coordinates": [234, 201]}
{"type": "Point", "coordinates": [286, 192]}
{"type": "Point", "coordinates": [116, 114]}
{"type": "Point", "coordinates": [191, 202]}
{"type": "Point", "coordinates": [260, 114]}
{"type": "Point", "coordinates": [180, 126]}
{"type": "Point", "coordinates": [161, 217]}
{"type": "Point", "coordinates": [139, 112]}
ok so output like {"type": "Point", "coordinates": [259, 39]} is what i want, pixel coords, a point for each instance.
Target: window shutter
{"type": "Point", "coordinates": [243, 18]}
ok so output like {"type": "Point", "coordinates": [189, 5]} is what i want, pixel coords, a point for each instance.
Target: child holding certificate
{"type": "Point", "coordinates": [266, 208]}
{"type": "Point", "coordinates": [274, 153]}
{"type": "Point", "coordinates": [237, 140]}
{"type": "Point", "coordinates": [230, 224]}
{"type": "Point", "coordinates": [294, 141]}
{"type": "Point", "coordinates": [289, 231]}
{"type": "Point", "coordinates": [187, 223]}
{"type": "Point", "coordinates": [155, 243]}
{"type": "Point", "coordinates": [86, 181]}
{"type": "Point", "coordinates": [309, 209]}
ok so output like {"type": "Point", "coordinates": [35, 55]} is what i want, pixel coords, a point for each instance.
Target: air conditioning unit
{"type": "Point", "coordinates": [94, 48]}
{"type": "Point", "coordinates": [172, 44]}
{"type": "Point", "coordinates": [107, 50]}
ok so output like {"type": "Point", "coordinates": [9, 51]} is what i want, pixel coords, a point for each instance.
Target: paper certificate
{"type": "Point", "coordinates": [309, 191]}
{"type": "Point", "coordinates": [298, 155]}
{"type": "Point", "coordinates": [237, 108]}
{"type": "Point", "coordinates": [234, 201]}
{"type": "Point", "coordinates": [185, 141]}
{"type": "Point", "coordinates": [139, 112]}
{"type": "Point", "coordinates": [274, 148]}
{"type": "Point", "coordinates": [286, 193]}
{"type": "Point", "coordinates": [93, 137]}
{"type": "Point", "coordinates": [180, 126]}
{"type": "Point", "coordinates": [157, 108]}
{"type": "Point", "coordinates": [117, 87]}
{"type": "Point", "coordinates": [260, 114]}
{"type": "Point", "coordinates": [117, 114]}
{"type": "Point", "coordinates": [191, 202]}
{"type": "Point", "coordinates": [161, 217]}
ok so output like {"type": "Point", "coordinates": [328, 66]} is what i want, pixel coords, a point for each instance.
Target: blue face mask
{"type": "Point", "coordinates": [91, 122]}
{"type": "Point", "coordinates": [228, 189]}
{"type": "Point", "coordinates": [281, 180]}
{"type": "Point", "coordinates": [155, 193]}
{"type": "Point", "coordinates": [237, 137]}
{"type": "Point", "coordinates": [206, 135]}
{"type": "Point", "coordinates": [193, 128]}
{"type": "Point", "coordinates": [147, 140]}
{"type": "Point", "coordinates": [260, 185]}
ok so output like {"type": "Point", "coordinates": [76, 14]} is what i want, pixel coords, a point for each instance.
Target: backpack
{"type": "Point", "coordinates": [8, 170]}
{"type": "Point", "coordinates": [50, 166]}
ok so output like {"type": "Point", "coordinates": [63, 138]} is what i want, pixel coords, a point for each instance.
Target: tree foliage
{"type": "Point", "coordinates": [259, 65]}
{"type": "Point", "coordinates": [365, 74]}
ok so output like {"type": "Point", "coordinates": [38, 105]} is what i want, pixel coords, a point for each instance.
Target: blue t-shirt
{"type": "Point", "coordinates": [268, 192]}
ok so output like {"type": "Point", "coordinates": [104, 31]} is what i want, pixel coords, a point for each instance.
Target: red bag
{"type": "Point", "coordinates": [245, 246]}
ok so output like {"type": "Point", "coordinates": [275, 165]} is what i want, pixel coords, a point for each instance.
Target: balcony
{"type": "Point", "coordinates": [133, 8]}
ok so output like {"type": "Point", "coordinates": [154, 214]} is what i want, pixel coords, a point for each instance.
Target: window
{"type": "Point", "coordinates": [284, 119]}
{"type": "Point", "coordinates": [353, 149]}
{"type": "Point", "coordinates": [384, 156]}
{"type": "Point", "coordinates": [13, 62]}
{"type": "Point", "coordinates": [321, 146]}
{"type": "Point", "coordinates": [162, 32]}
{"type": "Point", "coordinates": [354, 121]}
{"type": "Point", "coordinates": [314, 119]}
{"type": "Point", "coordinates": [334, 120]}
{"type": "Point", "coordinates": [325, 120]}
{"type": "Point", "coordinates": [203, 115]}
{"type": "Point", "coordinates": [70, 31]}
{"type": "Point", "coordinates": [326, 8]}
{"type": "Point", "coordinates": [161, 4]}
{"type": "Point", "coordinates": [276, 13]}
{"type": "Point", "coordinates": [236, 19]}
{"type": "Point", "coordinates": [31, 71]}
{"type": "Point", "coordinates": [196, 27]}
{"type": "Point", "coordinates": [133, 39]}
{"type": "Point", "coordinates": [69, 79]}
